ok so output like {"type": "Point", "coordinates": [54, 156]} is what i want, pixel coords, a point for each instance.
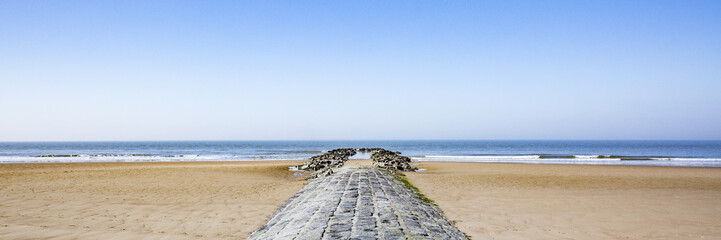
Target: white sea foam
{"type": "Point", "coordinates": [295, 169]}
{"type": "Point", "coordinates": [520, 157]}
{"type": "Point", "coordinates": [135, 158]}
{"type": "Point", "coordinates": [537, 159]}
{"type": "Point", "coordinates": [688, 159]}
{"type": "Point", "coordinates": [578, 159]}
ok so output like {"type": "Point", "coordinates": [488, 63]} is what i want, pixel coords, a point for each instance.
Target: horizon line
{"type": "Point", "coordinates": [350, 140]}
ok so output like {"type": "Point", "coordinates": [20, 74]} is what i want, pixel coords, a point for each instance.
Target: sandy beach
{"type": "Point", "coordinates": [527, 201]}
{"type": "Point", "coordinates": [216, 200]}
{"type": "Point", "coordinates": [222, 200]}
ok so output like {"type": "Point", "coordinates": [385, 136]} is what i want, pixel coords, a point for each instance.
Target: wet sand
{"type": "Point", "coordinates": [528, 201]}
{"type": "Point", "coordinates": [217, 200]}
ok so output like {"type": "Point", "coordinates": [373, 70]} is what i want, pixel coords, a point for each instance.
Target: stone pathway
{"type": "Point", "coordinates": [357, 203]}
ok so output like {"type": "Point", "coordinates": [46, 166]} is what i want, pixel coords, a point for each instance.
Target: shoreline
{"type": "Point", "coordinates": [566, 164]}
{"type": "Point", "coordinates": [301, 160]}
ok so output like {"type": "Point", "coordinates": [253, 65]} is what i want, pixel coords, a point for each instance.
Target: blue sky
{"type": "Point", "coordinates": [251, 70]}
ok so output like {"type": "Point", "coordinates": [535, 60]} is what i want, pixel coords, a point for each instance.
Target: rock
{"type": "Point", "coordinates": [323, 164]}
{"type": "Point", "coordinates": [391, 160]}
{"type": "Point", "coordinates": [331, 159]}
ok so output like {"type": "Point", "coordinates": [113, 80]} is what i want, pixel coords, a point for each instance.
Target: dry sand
{"type": "Point", "coordinates": [231, 199]}
{"type": "Point", "coordinates": [526, 201]}
{"type": "Point", "coordinates": [141, 200]}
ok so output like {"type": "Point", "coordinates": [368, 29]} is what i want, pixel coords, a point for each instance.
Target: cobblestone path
{"type": "Point", "coordinates": [357, 203]}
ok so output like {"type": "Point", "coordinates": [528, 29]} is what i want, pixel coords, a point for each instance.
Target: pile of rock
{"type": "Point", "coordinates": [323, 164]}
{"type": "Point", "coordinates": [391, 160]}
{"type": "Point", "coordinates": [370, 150]}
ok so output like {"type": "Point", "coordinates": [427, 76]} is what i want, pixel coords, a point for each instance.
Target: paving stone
{"type": "Point", "coordinates": [357, 203]}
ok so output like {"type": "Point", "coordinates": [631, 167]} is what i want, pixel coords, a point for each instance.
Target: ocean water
{"type": "Point", "coordinates": [656, 153]}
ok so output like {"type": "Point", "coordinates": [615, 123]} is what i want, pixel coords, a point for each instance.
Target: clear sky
{"type": "Point", "coordinates": [251, 70]}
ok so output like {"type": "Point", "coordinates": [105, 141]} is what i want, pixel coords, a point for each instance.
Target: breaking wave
{"type": "Point", "coordinates": [51, 158]}
{"type": "Point", "coordinates": [578, 159]}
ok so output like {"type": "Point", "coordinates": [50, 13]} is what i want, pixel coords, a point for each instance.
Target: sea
{"type": "Point", "coordinates": [636, 152]}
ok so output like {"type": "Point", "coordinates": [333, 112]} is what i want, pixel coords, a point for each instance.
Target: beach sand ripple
{"type": "Point", "coordinates": [534, 201]}
{"type": "Point", "coordinates": [141, 200]}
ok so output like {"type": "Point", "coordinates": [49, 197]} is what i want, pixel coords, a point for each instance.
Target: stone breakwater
{"type": "Point", "coordinates": [357, 203]}
{"type": "Point", "coordinates": [391, 160]}
{"type": "Point", "coordinates": [324, 164]}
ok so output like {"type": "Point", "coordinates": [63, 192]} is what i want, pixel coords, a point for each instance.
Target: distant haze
{"type": "Point", "coordinates": [254, 70]}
